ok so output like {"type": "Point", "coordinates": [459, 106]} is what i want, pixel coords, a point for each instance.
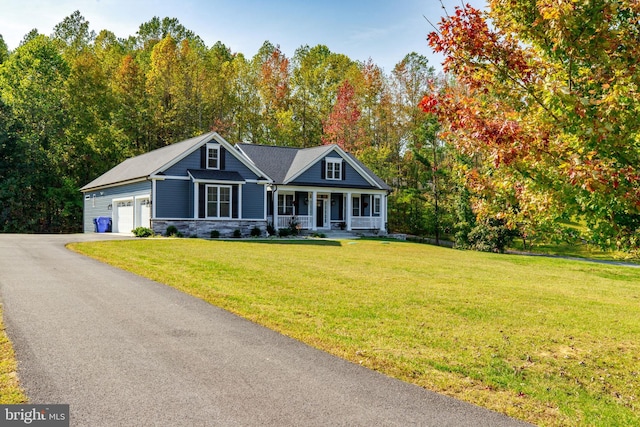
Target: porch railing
{"type": "Point", "coordinates": [366, 222]}
{"type": "Point", "coordinates": [303, 221]}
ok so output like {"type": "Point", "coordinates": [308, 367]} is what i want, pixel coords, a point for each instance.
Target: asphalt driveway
{"type": "Point", "coordinates": [122, 350]}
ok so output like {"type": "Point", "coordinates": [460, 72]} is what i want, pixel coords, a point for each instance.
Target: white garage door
{"type": "Point", "coordinates": [144, 213]}
{"type": "Point", "coordinates": [124, 217]}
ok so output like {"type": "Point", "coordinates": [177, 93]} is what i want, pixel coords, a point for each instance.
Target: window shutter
{"type": "Point", "coordinates": [343, 165]}
{"type": "Point", "coordinates": [234, 201]}
{"type": "Point", "coordinates": [203, 157]}
{"type": "Point", "coordinates": [202, 200]}
{"type": "Point", "coordinates": [323, 171]}
{"type": "Point", "coordinates": [222, 155]}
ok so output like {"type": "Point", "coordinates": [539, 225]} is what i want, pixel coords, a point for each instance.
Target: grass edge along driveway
{"type": "Point", "coordinates": [10, 391]}
{"type": "Point", "coordinates": [549, 341]}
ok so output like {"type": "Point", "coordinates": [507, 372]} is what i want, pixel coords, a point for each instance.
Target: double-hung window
{"type": "Point", "coordinates": [377, 202]}
{"type": "Point", "coordinates": [218, 201]}
{"type": "Point", "coordinates": [285, 204]}
{"type": "Point", "coordinates": [355, 204]}
{"type": "Point", "coordinates": [213, 156]}
{"type": "Point", "coordinates": [333, 169]}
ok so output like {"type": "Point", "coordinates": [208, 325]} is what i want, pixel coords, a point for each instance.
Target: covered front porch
{"type": "Point", "coordinates": [327, 209]}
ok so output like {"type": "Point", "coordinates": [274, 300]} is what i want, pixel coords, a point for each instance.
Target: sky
{"type": "Point", "coordinates": [383, 30]}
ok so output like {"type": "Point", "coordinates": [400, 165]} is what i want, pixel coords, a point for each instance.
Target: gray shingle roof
{"type": "Point", "coordinates": [215, 175]}
{"type": "Point", "coordinates": [284, 163]}
{"type": "Point", "coordinates": [146, 164]}
{"type": "Point", "coordinates": [280, 164]}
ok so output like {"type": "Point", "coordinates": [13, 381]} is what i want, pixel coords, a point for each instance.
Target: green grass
{"type": "Point", "coordinates": [10, 391]}
{"type": "Point", "coordinates": [549, 341]}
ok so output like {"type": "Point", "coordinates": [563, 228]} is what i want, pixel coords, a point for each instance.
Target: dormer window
{"type": "Point", "coordinates": [213, 156]}
{"type": "Point", "coordinates": [334, 169]}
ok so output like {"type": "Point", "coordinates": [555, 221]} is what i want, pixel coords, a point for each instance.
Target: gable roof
{"type": "Point", "coordinates": [284, 164]}
{"type": "Point", "coordinates": [144, 165]}
{"type": "Point", "coordinates": [149, 164]}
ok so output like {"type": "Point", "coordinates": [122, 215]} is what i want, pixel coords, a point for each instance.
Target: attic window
{"type": "Point", "coordinates": [334, 169]}
{"type": "Point", "coordinates": [213, 156]}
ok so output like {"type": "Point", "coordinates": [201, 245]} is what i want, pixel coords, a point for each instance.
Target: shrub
{"type": "Point", "coordinates": [215, 234]}
{"type": "Point", "coordinates": [294, 227]}
{"type": "Point", "coordinates": [172, 230]}
{"type": "Point", "coordinates": [142, 232]}
{"type": "Point", "coordinates": [237, 233]}
{"type": "Point", "coordinates": [284, 232]}
{"type": "Point", "coordinates": [256, 232]}
{"type": "Point", "coordinates": [271, 230]}
{"type": "Point", "coordinates": [491, 236]}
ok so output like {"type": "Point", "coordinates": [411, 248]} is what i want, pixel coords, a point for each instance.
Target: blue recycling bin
{"type": "Point", "coordinates": [103, 224]}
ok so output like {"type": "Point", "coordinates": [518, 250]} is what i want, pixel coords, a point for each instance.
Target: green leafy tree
{"type": "Point", "coordinates": [32, 85]}
{"type": "Point", "coordinates": [317, 74]}
{"type": "Point", "coordinates": [550, 107]}
{"type": "Point", "coordinates": [4, 50]}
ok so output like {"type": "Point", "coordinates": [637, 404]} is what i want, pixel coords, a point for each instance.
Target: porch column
{"type": "Point", "coordinates": [383, 213]}
{"type": "Point", "coordinates": [196, 201]}
{"type": "Point", "coordinates": [274, 194]}
{"type": "Point", "coordinates": [314, 210]}
{"type": "Point", "coordinates": [349, 211]}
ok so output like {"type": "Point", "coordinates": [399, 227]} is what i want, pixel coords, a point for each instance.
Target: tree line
{"type": "Point", "coordinates": [76, 103]}
{"type": "Point", "coordinates": [531, 132]}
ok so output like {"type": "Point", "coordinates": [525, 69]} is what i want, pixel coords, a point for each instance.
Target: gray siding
{"type": "Point", "coordinates": [174, 199]}
{"type": "Point", "coordinates": [313, 175]}
{"type": "Point", "coordinates": [192, 161]}
{"type": "Point", "coordinates": [97, 206]}
{"type": "Point", "coordinates": [233, 164]}
{"type": "Point", "coordinates": [253, 201]}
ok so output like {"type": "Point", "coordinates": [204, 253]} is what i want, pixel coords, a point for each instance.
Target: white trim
{"type": "Point", "coordinates": [319, 189]}
{"type": "Point", "coordinates": [114, 213]}
{"type": "Point", "coordinates": [215, 147]}
{"type": "Point", "coordinates": [137, 221]}
{"type": "Point", "coordinates": [206, 138]}
{"type": "Point", "coordinates": [322, 155]}
{"type": "Point", "coordinates": [345, 157]}
{"type": "Point", "coordinates": [196, 201]}
{"type": "Point", "coordinates": [217, 182]}
{"type": "Point", "coordinates": [333, 161]}
{"type": "Point", "coordinates": [211, 219]}
{"type": "Point", "coordinates": [153, 193]}
{"type": "Point", "coordinates": [116, 184]}
{"type": "Point", "coordinates": [170, 177]}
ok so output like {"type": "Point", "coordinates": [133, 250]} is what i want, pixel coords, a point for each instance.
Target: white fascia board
{"type": "Point", "coordinates": [357, 167]}
{"type": "Point", "coordinates": [196, 146]}
{"type": "Point", "coordinates": [310, 189]}
{"type": "Point", "coordinates": [323, 154]}
{"type": "Point", "coordinates": [335, 148]}
{"type": "Point", "coordinates": [238, 155]}
{"type": "Point", "coordinates": [114, 184]}
{"type": "Point", "coordinates": [218, 182]}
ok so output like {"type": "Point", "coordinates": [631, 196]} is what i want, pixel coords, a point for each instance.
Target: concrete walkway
{"type": "Point", "coordinates": [125, 351]}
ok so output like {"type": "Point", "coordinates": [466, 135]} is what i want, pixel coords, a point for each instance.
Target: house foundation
{"type": "Point", "coordinates": [203, 228]}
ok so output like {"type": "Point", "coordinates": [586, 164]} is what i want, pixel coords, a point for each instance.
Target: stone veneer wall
{"type": "Point", "coordinates": [203, 228]}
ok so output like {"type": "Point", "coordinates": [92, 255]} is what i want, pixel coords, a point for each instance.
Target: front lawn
{"type": "Point", "coordinates": [549, 341]}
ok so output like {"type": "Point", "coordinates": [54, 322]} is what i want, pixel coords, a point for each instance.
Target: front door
{"type": "Point", "coordinates": [322, 214]}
